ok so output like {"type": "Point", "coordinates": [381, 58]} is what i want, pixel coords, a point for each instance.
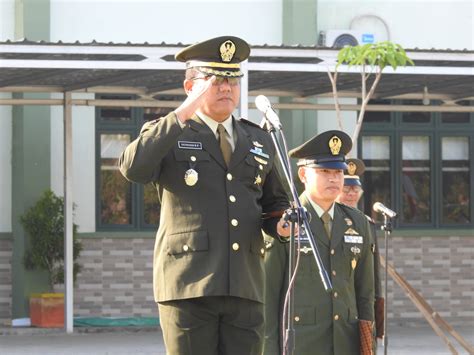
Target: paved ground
{"type": "Point", "coordinates": [419, 340]}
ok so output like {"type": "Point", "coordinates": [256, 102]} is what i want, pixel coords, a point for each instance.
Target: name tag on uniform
{"type": "Point", "coordinates": [357, 239]}
{"type": "Point", "coordinates": [189, 145]}
{"type": "Point", "coordinates": [259, 152]}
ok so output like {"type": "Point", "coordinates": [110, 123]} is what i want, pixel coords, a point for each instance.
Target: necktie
{"type": "Point", "coordinates": [326, 218]}
{"type": "Point", "coordinates": [224, 143]}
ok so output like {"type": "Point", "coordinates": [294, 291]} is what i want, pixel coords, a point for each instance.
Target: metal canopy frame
{"type": "Point", "coordinates": [150, 73]}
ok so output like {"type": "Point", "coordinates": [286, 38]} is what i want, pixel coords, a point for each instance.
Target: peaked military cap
{"type": "Point", "coordinates": [220, 56]}
{"type": "Point", "coordinates": [355, 168]}
{"type": "Point", "coordinates": [326, 150]}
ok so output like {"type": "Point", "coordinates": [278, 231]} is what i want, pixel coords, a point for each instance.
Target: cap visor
{"type": "Point", "coordinates": [352, 182]}
{"type": "Point", "coordinates": [331, 165]}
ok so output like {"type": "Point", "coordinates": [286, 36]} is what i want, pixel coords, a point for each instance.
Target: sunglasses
{"type": "Point", "coordinates": [356, 189]}
{"type": "Point", "coordinates": [220, 80]}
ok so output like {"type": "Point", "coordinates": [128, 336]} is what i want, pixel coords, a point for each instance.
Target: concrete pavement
{"type": "Point", "coordinates": [413, 339]}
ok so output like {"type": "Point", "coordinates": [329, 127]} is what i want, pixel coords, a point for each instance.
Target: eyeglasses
{"type": "Point", "coordinates": [219, 80]}
{"type": "Point", "coordinates": [355, 189]}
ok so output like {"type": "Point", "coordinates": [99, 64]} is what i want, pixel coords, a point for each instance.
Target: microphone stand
{"type": "Point", "coordinates": [297, 213]}
{"type": "Point", "coordinates": [387, 228]}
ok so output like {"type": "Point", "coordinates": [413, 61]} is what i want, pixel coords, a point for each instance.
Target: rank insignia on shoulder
{"type": "Point", "coordinates": [348, 221]}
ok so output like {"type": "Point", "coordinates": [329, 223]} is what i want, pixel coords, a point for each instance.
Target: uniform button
{"type": "Point", "coordinates": [235, 246]}
{"type": "Point", "coordinates": [297, 319]}
{"type": "Point", "coordinates": [332, 251]}
{"type": "Point", "coordinates": [335, 294]}
{"type": "Point", "coordinates": [193, 158]}
{"type": "Point", "coordinates": [229, 176]}
{"type": "Point", "coordinates": [232, 198]}
{"type": "Point", "coordinates": [336, 317]}
{"type": "Point", "coordinates": [234, 222]}
{"type": "Point", "coordinates": [260, 167]}
{"type": "Point", "coordinates": [334, 273]}
{"type": "Point", "coordinates": [185, 247]}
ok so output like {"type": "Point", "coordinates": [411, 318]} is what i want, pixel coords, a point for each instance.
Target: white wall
{"type": "Point", "coordinates": [170, 21]}
{"type": "Point", "coordinates": [155, 21]}
{"type": "Point", "coordinates": [7, 16]}
{"type": "Point", "coordinates": [424, 24]}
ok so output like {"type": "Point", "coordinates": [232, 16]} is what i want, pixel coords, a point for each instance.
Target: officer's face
{"type": "Point", "coordinates": [221, 99]}
{"type": "Point", "coordinates": [350, 195]}
{"type": "Point", "coordinates": [324, 185]}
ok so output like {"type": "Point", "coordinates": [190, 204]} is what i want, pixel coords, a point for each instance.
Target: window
{"type": "Point", "coordinates": [419, 164]}
{"type": "Point", "coordinates": [122, 205]}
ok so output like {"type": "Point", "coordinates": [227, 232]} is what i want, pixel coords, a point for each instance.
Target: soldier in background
{"type": "Point", "coordinates": [350, 196]}
{"type": "Point", "coordinates": [341, 321]}
{"type": "Point", "coordinates": [215, 176]}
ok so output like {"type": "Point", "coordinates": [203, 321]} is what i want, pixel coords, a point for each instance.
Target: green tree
{"type": "Point", "coordinates": [372, 59]}
{"type": "Point", "coordinates": [44, 224]}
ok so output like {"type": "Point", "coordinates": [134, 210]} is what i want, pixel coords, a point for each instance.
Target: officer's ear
{"type": "Point", "coordinates": [188, 85]}
{"type": "Point", "coordinates": [302, 174]}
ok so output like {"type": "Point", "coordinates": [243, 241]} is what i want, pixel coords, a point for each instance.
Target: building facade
{"type": "Point", "coordinates": [419, 163]}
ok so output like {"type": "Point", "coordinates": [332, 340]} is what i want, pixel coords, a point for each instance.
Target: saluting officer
{"type": "Point", "coordinates": [328, 323]}
{"type": "Point", "coordinates": [350, 196]}
{"type": "Point", "coordinates": [215, 176]}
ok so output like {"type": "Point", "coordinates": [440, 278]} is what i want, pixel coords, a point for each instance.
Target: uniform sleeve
{"type": "Point", "coordinates": [274, 198]}
{"type": "Point", "coordinates": [364, 278]}
{"type": "Point", "coordinates": [141, 160]}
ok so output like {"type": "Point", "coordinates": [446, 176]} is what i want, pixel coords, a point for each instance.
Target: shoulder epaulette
{"type": "Point", "coordinates": [250, 123]}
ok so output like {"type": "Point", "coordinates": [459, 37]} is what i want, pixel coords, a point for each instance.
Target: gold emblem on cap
{"type": "Point", "coordinates": [335, 145]}
{"type": "Point", "coordinates": [351, 168]}
{"type": "Point", "coordinates": [227, 51]}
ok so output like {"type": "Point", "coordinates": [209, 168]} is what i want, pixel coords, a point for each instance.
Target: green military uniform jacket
{"type": "Point", "coordinates": [327, 323]}
{"type": "Point", "coordinates": [209, 242]}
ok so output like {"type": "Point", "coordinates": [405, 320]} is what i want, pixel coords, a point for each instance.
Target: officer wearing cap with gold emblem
{"type": "Point", "coordinates": [215, 177]}
{"type": "Point", "coordinates": [328, 323]}
{"type": "Point", "coordinates": [350, 196]}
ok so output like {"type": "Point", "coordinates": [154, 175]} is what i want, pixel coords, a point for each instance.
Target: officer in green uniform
{"type": "Point", "coordinates": [328, 323]}
{"type": "Point", "coordinates": [215, 177]}
{"type": "Point", "coordinates": [350, 196]}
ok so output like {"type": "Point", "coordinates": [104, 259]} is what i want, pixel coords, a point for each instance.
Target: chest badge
{"type": "Point", "coordinates": [258, 180]}
{"type": "Point", "coordinates": [191, 177]}
{"type": "Point", "coordinates": [348, 221]}
{"type": "Point", "coordinates": [257, 144]}
{"type": "Point", "coordinates": [353, 263]}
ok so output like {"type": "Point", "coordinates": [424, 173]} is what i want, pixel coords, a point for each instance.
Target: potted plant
{"type": "Point", "coordinates": [44, 224]}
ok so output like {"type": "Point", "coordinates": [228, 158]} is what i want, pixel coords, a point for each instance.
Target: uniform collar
{"type": "Point", "coordinates": [318, 209]}
{"type": "Point", "coordinates": [212, 124]}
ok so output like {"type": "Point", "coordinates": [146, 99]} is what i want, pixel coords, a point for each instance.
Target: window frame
{"type": "Point", "coordinates": [132, 128]}
{"type": "Point", "coordinates": [435, 130]}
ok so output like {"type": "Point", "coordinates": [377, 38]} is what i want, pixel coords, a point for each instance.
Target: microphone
{"type": "Point", "coordinates": [264, 105]}
{"type": "Point", "coordinates": [380, 208]}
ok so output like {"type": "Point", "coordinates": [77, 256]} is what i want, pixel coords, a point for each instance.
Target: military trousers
{"type": "Point", "coordinates": [213, 325]}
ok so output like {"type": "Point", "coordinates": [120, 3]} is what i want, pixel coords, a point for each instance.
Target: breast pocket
{"type": "Point", "coordinates": [192, 157]}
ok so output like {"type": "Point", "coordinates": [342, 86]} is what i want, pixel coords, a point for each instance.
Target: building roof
{"type": "Point", "coordinates": [149, 70]}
